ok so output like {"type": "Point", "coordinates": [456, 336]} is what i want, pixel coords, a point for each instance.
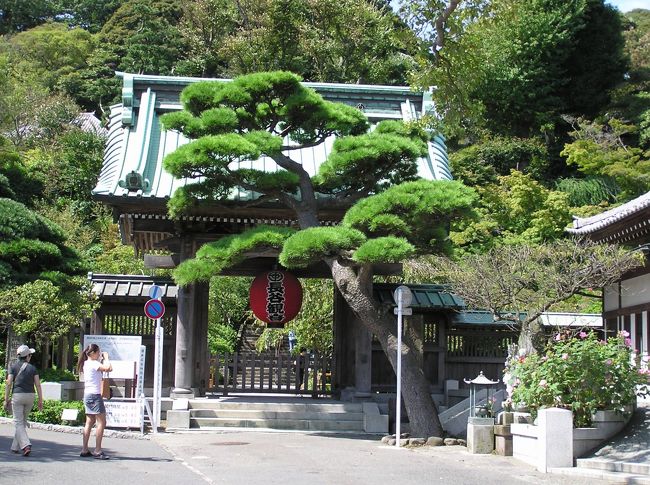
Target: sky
{"type": "Point", "coordinates": [627, 5]}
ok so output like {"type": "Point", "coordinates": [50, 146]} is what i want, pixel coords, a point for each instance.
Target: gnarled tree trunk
{"type": "Point", "coordinates": [355, 286]}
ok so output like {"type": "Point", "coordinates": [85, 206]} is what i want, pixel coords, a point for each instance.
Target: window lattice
{"type": "Point", "coordinates": [120, 324]}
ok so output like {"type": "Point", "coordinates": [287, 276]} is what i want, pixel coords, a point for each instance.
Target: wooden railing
{"type": "Point", "coordinates": [270, 373]}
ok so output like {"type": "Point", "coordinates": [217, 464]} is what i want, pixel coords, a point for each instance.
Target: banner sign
{"type": "Point", "coordinates": [276, 297]}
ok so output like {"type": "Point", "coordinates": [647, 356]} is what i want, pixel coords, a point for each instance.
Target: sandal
{"type": "Point", "coordinates": [101, 456]}
{"type": "Point", "coordinates": [27, 450]}
{"type": "Point", "coordinates": [85, 454]}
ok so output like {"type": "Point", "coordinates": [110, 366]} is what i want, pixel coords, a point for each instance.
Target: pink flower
{"type": "Point", "coordinates": [557, 337]}
{"type": "Point", "coordinates": [608, 362]}
{"type": "Point", "coordinates": [582, 334]}
{"type": "Point", "coordinates": [543, 383]}
{"type": "Point", "coordinates": [565, 356]}
{"type": "Point", "coordinates": [628, 342]}
{"type": "Point", "coordinates": [624, 333]}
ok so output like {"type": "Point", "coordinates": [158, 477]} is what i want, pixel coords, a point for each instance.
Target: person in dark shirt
{"type": "Point", "coordinates": [22, 379]}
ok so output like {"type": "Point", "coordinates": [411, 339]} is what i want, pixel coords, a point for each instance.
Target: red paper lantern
{"type": "Point", "coordinates": [276, 297]}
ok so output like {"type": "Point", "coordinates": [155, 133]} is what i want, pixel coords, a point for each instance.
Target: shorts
{"type": "Point", "coordinates": [94, 404]}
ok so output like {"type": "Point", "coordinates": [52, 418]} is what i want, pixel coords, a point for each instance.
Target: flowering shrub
{"type": "Point", "coordinates": [580, 373]}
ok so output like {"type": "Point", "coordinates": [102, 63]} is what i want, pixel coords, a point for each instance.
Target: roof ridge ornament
{"type": "Point", "coordinates": [133, 181]}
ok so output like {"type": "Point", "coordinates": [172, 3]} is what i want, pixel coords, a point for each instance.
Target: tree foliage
{"type": "Point", "coordinates": [519, 283]}
{"type": "Point", "coordinates": [514, 210]}
{"type": "Point", "coordinates": [43, 311]}
{"type": "Point", "coordinates": [599, 149]}
{"type": "Point", "coordinates": [323, 40]}
{"type": "Point", "coordinates": [272, 114]}
{"type": "Point", "coordinates": [545, 57]}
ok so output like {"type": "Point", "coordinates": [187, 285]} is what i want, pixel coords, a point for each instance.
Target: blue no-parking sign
{"type": "Point", "coordinates": [155, 292]}
{"type": "Point", "coordinates": [154, 309]}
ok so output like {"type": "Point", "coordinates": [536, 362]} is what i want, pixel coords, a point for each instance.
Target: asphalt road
{"type": "Point", "coordinates": [249, 457]}
{"type": "Point", "coordinates": [55, 460]}
{"type": "Point", "coordinates": [256, 457]}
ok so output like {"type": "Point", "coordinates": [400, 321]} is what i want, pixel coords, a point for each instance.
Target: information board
{"type": "Point", "coordinates": [119, 347]}
{"type": "Point", "coordinates": [123, 414]}
{"type": "Point", "coordinates": [123, 351]}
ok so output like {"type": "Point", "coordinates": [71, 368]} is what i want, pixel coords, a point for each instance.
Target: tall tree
{"type": "Point", "coordinates": [546, 58]}
{"type": "Point", "coordinates": [353, 41]}
{"type": "Point", "coordinates": [144, 36]}
{"type": "Point", "coordinates": [253, 116]}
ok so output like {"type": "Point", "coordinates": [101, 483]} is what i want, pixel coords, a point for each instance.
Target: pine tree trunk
{"type": "Point", "coordinates": [356, 288]}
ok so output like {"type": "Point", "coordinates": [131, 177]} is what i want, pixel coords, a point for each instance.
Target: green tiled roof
{"type": "Point", "coordinates": [431, 297]}
{"type": "Point", "coordinates": [136, 142]}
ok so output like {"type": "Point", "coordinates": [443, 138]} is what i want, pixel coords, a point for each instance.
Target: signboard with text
{"type": "Point", "coordinates": [123, 414]}
{"type": "Point", "coordinates": [123, 351]}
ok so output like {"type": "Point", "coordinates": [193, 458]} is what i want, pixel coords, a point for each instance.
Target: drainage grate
{"type": "Point", "coordinates": [230, 443]}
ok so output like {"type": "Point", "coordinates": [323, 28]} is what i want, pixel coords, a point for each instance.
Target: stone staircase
{"type": "Point", "coordinates": [287, 414]}
{"type": "Point", "coordinates": [623, 459]}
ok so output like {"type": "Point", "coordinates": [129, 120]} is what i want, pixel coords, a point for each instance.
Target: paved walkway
{"type": "Point", "coordinates": [55, 460]}
{"type": "Point", "coordinates": [252, 457]}
{"type": "Point", "coordinates": [633, 444]}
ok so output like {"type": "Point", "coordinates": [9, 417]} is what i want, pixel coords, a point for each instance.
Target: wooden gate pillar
{"type": "Point", "coordinates": [184, 358]}
{"type": "Point", "coordinates": [362, 360]}
{"type": "Point", "coordinates": [352, 359]}
{"type": "Point", "coordinates": [201, 371]}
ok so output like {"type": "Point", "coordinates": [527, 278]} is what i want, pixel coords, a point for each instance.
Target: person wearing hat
{"type": "Point", "coordinates": [22, 379]}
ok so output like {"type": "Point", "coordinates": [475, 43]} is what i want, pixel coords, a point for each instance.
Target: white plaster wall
{"type": "Point", "coordinates": [635, 291]}
{"type": "Point", "coordinates": [610, 294]}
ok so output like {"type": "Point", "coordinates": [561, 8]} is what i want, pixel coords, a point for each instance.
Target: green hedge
{"type": "Point", "coordinates": [51, 413]}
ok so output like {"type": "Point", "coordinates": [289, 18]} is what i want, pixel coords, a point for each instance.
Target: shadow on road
{"type": "Point", "coordinates": [46, 451]}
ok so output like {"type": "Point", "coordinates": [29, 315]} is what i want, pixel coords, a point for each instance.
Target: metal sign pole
{"type": "Point", "coordinates": [398, 404]}
{"type": "Point", "coordinates": [157, 378]}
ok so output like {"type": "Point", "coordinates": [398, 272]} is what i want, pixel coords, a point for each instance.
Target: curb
{"type": "Point", "coordinates": [60, 428]}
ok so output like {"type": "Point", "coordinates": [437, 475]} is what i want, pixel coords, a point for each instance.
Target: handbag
{"type": "Point", "coordinates": [106, 387]}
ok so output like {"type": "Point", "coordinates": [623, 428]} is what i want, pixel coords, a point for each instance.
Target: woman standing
{"type": "Point", "coordinates": [23, 377]}
{"type": "Point", "coordinates": [93, 363]}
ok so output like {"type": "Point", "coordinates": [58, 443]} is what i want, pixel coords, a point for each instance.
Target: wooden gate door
{"type": "Point", "coordinates": [268, 372]}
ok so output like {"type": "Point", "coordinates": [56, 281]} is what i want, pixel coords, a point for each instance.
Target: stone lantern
{"type": "Point", "coordinates": [475, 385]}
{"type": "Point", "coordinates": [480, 426]}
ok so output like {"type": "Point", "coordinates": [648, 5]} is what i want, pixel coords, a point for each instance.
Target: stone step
{"type": "Point", "coordinates": [604, 475]}
{"type": "Point", "coordinates": [277, 406]}
{"type": "Point", "coordinates": [285, 424]}
{"type": "Point", "coordinates": [248, 414]}
{"type": "Point", "coordinates": [614, 466]}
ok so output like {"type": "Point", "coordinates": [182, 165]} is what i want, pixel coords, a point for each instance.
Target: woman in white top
{"type": "Point", "coordinates": [93, 363]}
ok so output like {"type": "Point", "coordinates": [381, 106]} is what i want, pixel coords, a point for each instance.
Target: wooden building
{"type": "Point", "coordinates": [626, 303]}
{"type": "Point", "coordinates": [133, 183]}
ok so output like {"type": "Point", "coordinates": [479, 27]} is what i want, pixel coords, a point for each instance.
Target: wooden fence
{"type": "Point", "coordinates": [270, 373]}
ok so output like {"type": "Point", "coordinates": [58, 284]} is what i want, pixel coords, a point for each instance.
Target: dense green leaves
{"type": "Point", "coordinates": [213, 257]}
{"type": "Point", "coordinates": [391, 150]}
{"type": "Point", "coordinates": [417, 211]}
{"type": "Point", "coordinates": [42, 310]}
{"type": "Point", "coordinates": [316, 243]}
{"type": "Point", "coordinates": [384, 250]}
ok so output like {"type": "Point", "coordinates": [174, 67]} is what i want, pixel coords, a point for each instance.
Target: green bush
{"type": "Point", "coordinates": [579, 373]}
{"type": "Point", "coordinates": [51, 413]}
{"type": "Point", "coordinates": [56, 375]}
